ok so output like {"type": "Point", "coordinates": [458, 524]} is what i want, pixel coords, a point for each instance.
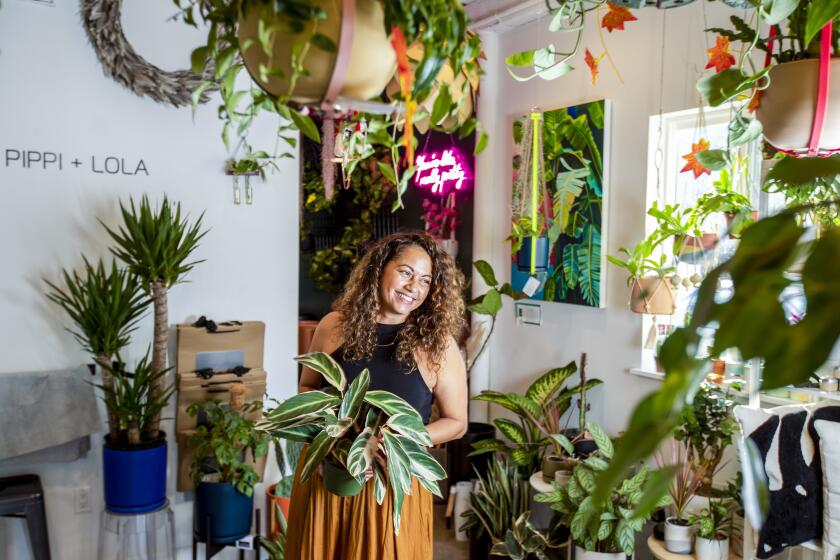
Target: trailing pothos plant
{"type": "Point", "coordinates": [609, 525]}
{"type": "Point", "coordinates": [350, 426]}
{"type": "Point", "coordinates": [439, 26]}
{"type": "Point", "coordinates": [793, 27]}
{"type": "Point", "coordinates": [540, 411]}
{"type": "Point", "coordinates": [773, 255]}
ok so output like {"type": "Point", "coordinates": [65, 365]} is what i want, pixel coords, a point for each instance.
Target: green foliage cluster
{"type": "Point", "coordinates": [222, 445]}
{"type": "Point", "coordinates": [715, 522]}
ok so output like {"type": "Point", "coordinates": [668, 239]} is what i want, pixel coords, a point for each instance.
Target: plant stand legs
{"type": "Point", "coordinates": [211, 548]}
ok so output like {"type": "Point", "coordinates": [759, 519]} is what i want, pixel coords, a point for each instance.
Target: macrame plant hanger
{"type": "Point", "coordinates": [530, 183]}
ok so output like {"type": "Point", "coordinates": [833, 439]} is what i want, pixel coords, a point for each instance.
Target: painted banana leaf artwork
{"type": "Point", "coordinates": [575, 146]}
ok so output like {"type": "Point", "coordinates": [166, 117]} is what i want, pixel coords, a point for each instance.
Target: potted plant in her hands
{"type": "Point", "coordinates": [224, 495]}
{"type": "Point", "coordinates": [714, 527]}
{"type": "Point", "coordinates": [648, 294]}
{"type": "Point", "coordinates": [279, 494]}
{"type": "Point", "coordinates": [352, 430]}
{"type": "Point", "coordinates": [678, 528]}
{"type": "Point", "coordinates": [134, 465]}
{"type": "Point", "coordinates": [607, 531]}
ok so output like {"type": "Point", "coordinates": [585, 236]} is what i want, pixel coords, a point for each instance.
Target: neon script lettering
{"type": "Point", "coordinates": [440, 172]}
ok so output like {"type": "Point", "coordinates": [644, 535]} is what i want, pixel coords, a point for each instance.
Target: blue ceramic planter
{"type": "Point", "coordinates": [225, 510]}
{"type": "Point", "coordinates": [134, 478]}
{"type": "Point", "coordinates": [523, 258]}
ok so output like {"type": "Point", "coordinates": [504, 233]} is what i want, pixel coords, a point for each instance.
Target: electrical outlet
{"type": "Point", "coordinates": [82, 499]}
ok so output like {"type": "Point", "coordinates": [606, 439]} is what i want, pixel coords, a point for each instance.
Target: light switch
{"type": "Point", "coordinates": [528, 313]}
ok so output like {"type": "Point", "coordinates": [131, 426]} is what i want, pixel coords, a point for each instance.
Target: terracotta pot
{"type": "Point", "coordinates": [787, 106]}
{"type": "Point", "coordinates": [652, 296]}
{"type": "Point", "coordinates": [706, 242]}
{"type": "Point", "coordinates": [283, 502]}
{"type": "Point", "coordinates": [372, 60]}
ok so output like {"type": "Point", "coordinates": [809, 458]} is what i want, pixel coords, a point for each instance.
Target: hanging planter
{"type": "Point", "coordinates": [652, 296]}
{"type": "Point", "coordinates": [358, 68]}
{"type": "Point", "coordinates": [533, 255]}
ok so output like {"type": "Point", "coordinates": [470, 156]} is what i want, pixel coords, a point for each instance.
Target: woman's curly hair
{"type": "Point", "coordinates": [428, 328]}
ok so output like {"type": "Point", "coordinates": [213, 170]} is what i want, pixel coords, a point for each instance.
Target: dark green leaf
{"type": "Point", "coordinates": [486, 272]}
{"type": "Point", "coordinates": [714, 159]}
{"type": "Point", "coordinates": [306, 125]}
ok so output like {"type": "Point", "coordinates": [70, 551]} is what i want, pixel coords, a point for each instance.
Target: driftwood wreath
{"type": "Point", "coordinates": [101, 19]}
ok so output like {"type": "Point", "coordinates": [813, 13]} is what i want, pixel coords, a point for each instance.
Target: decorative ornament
{"type": "Point", "coordinates": [102, 22]}
{"type": "Point", "coordinates": [686, 282]}
{"type": "Point", "coordinates": [719, 57]}
{"type": "Point", "coordinates": [693, 164]}
{"type": "Point", "coordinates": [695, 279]}
{"type": "Point", "coordinates": [676, 280]}
{"type": "Point", "coordinates": [616, 17]}
{"type": "Point", "coordinates": [592, 62]}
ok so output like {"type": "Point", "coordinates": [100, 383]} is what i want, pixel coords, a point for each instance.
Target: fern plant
{"type": "Point", "coordinates": [156, 244]}
{"type": "Point", "coordinates": [105, 306]}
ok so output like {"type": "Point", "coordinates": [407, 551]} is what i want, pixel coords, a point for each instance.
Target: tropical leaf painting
{"type": "Point", "coordinates": [574, 142]}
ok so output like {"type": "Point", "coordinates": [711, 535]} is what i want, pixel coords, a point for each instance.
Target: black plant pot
{"type": "Point", "coordinates": [585, 447]}
{"type": "Point", "coordinates": [223, 510]}
{"type": "Point", "coordinates": [480, 544]}
{"type": "Point", "coordinates": [462, 467]}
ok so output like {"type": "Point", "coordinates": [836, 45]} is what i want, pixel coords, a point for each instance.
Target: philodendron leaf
{"type": "Point", "coordinates": [490, 304]}
{"type": "Point", "coordinates": [602, 440]}
{"type": "Point", "coordinates": [755, 491]}
{"type": "Point", "coordinates": [524, 58]}
{"type": "Point", "coordinates": [724, 85]}
{"type": "Point", "coordinates": [355, 396]}
{"type": "Point", "coordinates": [776, 11]}
{"type": "Point", "coordinates": [324, 364]}
{"type": "Point", "coordinates": [301, 406]}
{"type": "Point", "coordinates": [714, 159]}
{"type": "Point", "coordinates": [819, 14]}
{"type": "Point", "coordinates": [486, 272]}
{"type": "Point", "coordinates": [549, 383]}
{"type": "Point", "coordinates": [410, 427]}
{"type": "Point", "coordinates": [743, 131]}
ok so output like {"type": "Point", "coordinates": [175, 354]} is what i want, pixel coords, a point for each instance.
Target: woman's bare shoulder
{"type": "Point", "coordinates": [328, 334]}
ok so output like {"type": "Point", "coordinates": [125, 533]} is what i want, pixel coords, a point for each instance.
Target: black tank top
{"type": "Point", "coordinates": [387, 374]}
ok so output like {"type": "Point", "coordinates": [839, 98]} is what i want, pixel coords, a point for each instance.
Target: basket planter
{"type": "Point", "coordinates": [678, 537]}
{"type": "Point", "coordinates": [339, 482]}
{"type": "Point", "coordinates": [711, 549]}
{"type": "Point", "coordinates": [272, 502]}
{"type": "Point", "coordinates": [224, 510]}
{"type": "Point", "coordinates": [523, 257]}
{"type": "Point", "coordinates": [652, 296]}
{"type": "Point", "coordinates": [788, 105]}
{"type": "Point", "coordinates": [134, 478]}
{"type": "Point", "coordinates": [369, 60]}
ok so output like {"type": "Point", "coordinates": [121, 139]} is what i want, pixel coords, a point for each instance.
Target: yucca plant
{"type": "Point", "coordinates": [540, 411]}
{"type": "Point", "coordinates": [131, 399]}
{"type": "Point", "coordinates": [105, 306]}
{"type": "Point", "coordinates": [499, 499]}
{"type": "Point", "coordinates": [348, 426]}
{"type": "Point", "coordinates": [156, 244]}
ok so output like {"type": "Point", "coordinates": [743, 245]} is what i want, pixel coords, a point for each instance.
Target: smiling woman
{"type": "Point", "coordinates": [398, 317]}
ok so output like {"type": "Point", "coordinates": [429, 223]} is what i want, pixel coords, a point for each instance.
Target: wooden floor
{"type": "Point", "coordinates": [446, 547]}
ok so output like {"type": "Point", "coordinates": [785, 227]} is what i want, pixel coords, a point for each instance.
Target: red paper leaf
{"type": "Point", "coordinates": [693, 165]}
{"type": "Point", "coordinates": [592, 62]}
{"type": "Point", "coordinates": [615, 17]}
{"type": "Point", "coordinates": [719, 57]}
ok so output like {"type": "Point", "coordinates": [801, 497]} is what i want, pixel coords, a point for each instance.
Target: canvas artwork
{"type": "Point", "coordinates": [569, 204]}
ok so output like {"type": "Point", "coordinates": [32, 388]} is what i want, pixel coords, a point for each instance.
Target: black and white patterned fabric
{"type": "Point", "coordinates": [789, 445]}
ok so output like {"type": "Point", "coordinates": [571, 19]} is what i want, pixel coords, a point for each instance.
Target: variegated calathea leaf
{"type": "Point", "coordinates": [326, 365]}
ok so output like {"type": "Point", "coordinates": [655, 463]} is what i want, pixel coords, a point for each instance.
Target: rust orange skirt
{"type": "Point", "coordinates": [323, 526]}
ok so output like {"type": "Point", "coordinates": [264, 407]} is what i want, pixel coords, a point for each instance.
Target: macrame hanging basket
{"type": "Point", "coordinates": [652, 296]}
{"type": "Point", "coordinates": [359, 69]}
{"type": "Point", "coordinates": [800, 109]}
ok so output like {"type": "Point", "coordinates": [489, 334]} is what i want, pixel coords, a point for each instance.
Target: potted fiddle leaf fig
{"type": "Point", "coordinates": [648, 293]}
{"type": "Point", "coordinates": [156, 244]}
{"type": "Point", "coordinates": [224, 479]}
{"type": "Point", "coordinates": [602, 530]}
{"type": "Point", "coordinates": [349, 428]}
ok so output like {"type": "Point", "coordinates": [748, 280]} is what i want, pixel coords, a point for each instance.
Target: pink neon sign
{"type": "Point", "coordinates": [441, 172]}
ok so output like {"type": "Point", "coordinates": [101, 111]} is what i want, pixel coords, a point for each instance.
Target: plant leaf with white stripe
{"type": "Point", "coordinates": [398, 462]}
{"type": "Point", "coordinates": [305, 433]}
{"type": "Point", "coordinates": [315, 454]}
{"type": "Point", "coordinates": [422, 463]}
{"type": "Point", "coordinates": [324, 364]}
{"type": "Point", "coordinates": [411, 427]}
{"type": "Point", "coordinates": [390, 403]}
{"type": "Point", "coordinates": [355, 395]}
{"type": "Point", "coordinates": [300, 406]}
{"type": "Point", "coordinates": [379, 483]}
{"type": "Point", "coordinates": [362, 452]}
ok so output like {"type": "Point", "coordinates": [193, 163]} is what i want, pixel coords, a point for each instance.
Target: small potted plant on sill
{"type": "Point", "coordinates": [606, 532]}
{"type": "Point", "coordinates": [350, 428]}
{"type": "Point", "coordinates": [690, 241]}
{"type": "Point", "coordinates": [735, 206]}
{"type": "Point", "coordinates": [224, 495]}
{"type": "Point", "coordinates": [678, 528]}
{"type": "Point", "coordinates": [714, 527]}
{"type": "Point", "coordinates": [648, 294]}
{"type": "Point", "coordinates": [278, 495]}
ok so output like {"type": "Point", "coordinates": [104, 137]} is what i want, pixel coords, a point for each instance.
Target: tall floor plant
{"type": "Point", "coordinates": [105, 306]}
{"type": "Point", "coordinates": [156, 244]}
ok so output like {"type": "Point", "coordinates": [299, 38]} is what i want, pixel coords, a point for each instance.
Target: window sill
{"type": "Point", "coordinates": [646, 373]}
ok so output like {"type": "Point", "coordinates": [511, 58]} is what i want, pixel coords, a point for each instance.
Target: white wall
{"type": "Point", "coordinates": [54, 97]}
{"type": "Point", "coordinates": [612, 336]}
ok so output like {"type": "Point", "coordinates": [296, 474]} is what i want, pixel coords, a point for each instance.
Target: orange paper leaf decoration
{"type": "Point", "coordinates": [693, 165]}
{"type": "Point", "coordinates": [406, 78]}
{"type": "Point", "coordinates": [592, 62]}
{"type": "Point", "coordinates": [615, 17]}
{"type": "Point", "coordinates": [719, 57]}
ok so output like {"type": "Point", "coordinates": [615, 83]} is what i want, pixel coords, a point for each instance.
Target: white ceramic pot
{"type": "Point", "coordinates": [581, 554]}
{"type": "Point", "coordinates": [463, 491]}
{"type": "Point", "coordinates": [678, 538]}
{"type": "Point", "coordinates": [711, 549]}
